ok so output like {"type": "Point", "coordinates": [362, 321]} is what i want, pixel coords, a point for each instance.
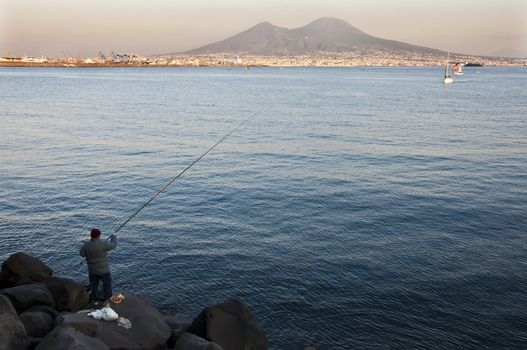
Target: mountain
{"type": "Point", "coordinates": [323, 35]}
{"type": "Point", "coordinates": [512, 53]}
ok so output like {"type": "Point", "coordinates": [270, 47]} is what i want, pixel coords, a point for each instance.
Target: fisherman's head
{"type": "Point", "coordinates": [95, 233]}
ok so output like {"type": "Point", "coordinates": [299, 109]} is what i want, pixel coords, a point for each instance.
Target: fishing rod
{"type": "Point", "coordinates": [176, 177]}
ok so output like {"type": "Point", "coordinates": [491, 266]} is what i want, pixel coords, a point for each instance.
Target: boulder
{"type": "Point", "coordinates": [82, 323]}
{"type": "Point", "coordinates": [189, 341]}
{"type": "Point", "coordinates": [21, 268]}
{"type": "Point", "coordinates": [178, 324]}
{"type": "Point", "coordinates": [69, 338]}
{"type": "Point", "coordinates": [5, 279]}
{"type": "Point", "coordinates": [12, 334]}
{"type": "Point", "coordinates": [24, 296]}
{"type": "Point", "coordinates": [37, 324]}
{"type": "Point", "coordinates": [231, 325]}
{"type": "Point", "coordinates": [148, 331]}
{"type": "Point", "coordinates": [43, 308]}
{"type": "Point", "coordinates": [68, 294]}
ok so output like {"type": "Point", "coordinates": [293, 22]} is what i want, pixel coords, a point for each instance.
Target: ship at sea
{"type": "Point", "coordinates": [473, 64]}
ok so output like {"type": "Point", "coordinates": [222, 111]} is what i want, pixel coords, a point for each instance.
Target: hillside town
{"type": "Point", "coordinates": [358, 58]}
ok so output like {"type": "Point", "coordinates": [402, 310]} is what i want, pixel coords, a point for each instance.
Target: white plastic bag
{"type": "Point", "coordinates": [105, 313]}
{"type": "Point", "coordinates": [108, 314]}
{"type": "Point", "coordinates": [97, 314]}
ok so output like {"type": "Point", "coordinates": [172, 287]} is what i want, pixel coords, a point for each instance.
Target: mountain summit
{"type": "Point", "coordinates": [323, 35]}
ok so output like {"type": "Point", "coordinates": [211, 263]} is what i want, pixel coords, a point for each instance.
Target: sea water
{"type": "Point", "coordinates": [357, 208]}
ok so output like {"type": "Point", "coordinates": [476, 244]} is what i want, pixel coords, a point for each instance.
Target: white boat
{"type": "Point", "coordinates": [457, 69]}
{"type": "Point", "coordinates": [448, 79]}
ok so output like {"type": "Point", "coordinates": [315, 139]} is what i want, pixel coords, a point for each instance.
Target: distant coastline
{"type": "Point", "coordinates": [250, 61]}
{"type": "Point", "coordinates": [212, 61]}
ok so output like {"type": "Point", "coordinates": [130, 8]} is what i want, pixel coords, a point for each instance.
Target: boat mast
{"type": "Point", "coordinates": [446, 67]}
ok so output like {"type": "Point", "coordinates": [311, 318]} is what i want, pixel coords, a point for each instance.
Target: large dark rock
{"type": "Point", "coordinates": [21, 268]}
{"type": "Point", "coordinates": [189, 341]}
{"type": "Point", "coordinates": [69, 338]}
{"type": "Point", "coordinates": [231, 325]}
{"type": "Point", "coordinates": [42, 308]}
{"type": "Point", "coordinates": [148, 331]}
{"type": "Point", "coordinates": [24, 296]}
{"type": "Point", "coordinates": [178, 324]}
{"type": "Point", "coordinates": [5, 279]}
{"type": "Point", "coordinates": [37, 324]}
{"type": "Point", "coordinates": [82, 323]}
{"type": "Point", "coordinates": [12, 333]}
{"type": "Point", "coordinates": [68, 294]}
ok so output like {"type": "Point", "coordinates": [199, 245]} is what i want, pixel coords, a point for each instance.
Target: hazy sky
{"type": "Point", "coordinates": [67, 27]}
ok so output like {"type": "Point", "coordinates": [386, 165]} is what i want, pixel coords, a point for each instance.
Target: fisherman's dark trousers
{"type": "Point", "coordinates": [106, 284]}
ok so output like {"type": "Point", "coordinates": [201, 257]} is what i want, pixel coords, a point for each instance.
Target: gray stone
{"type": "Point", "coordinates": [5, 279]}
{"type": "Point", "coordinates": [231, 325]}
{"type": "Point", "coordinates": [43, 308]}
{"type": "Point", "coordinates": [178, 324]}
{"type": "Point", "coordinates": [189, 341]}
{"type": "Point", "coordinates": [24, 296]}
{"type": "Point", "coordinates": [37, 324]}
{"type": "Point", "coordinates": [68, 294]}
{"type": "Point", "coordinates": [12, 335]}
{"type": "Point", "coordinates": [69, 338]}
{"type": "Point", "coordinates": [148, 331]}
{"type": "Point", "coordinates": [21, 268]}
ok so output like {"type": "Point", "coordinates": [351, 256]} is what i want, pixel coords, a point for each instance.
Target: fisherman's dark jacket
{"type": "Point", "coordinates": [95, 252]}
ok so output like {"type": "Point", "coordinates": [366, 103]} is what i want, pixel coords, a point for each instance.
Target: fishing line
{"type": "Point", "coordinates": [176, 177]}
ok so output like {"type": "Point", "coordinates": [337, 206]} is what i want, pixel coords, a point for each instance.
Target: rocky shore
{"type": "Point", "coordinates": [44, 312]}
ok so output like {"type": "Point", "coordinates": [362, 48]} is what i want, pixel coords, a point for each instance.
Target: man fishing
{"type": "Point", "coordinates": [95, 251]}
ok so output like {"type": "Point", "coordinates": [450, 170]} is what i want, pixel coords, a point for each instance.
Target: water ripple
{"type": "Point", "coordinates": [357, 209]}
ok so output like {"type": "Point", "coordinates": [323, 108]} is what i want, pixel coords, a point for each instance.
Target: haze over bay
{"type": "Point", "coordinates": [82, 29]}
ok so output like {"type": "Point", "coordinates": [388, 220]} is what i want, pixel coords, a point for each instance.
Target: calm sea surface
{"type": "Point", "coordinates": [356, 209]}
